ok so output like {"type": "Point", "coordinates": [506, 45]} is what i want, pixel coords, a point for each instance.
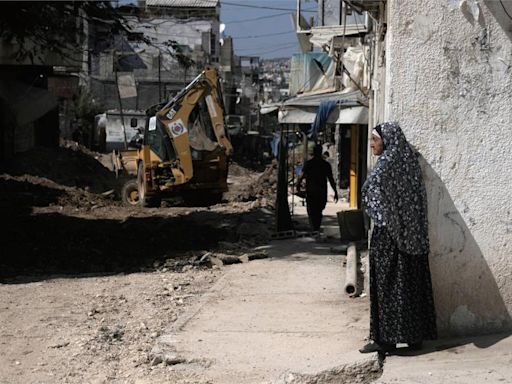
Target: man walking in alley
{"type": "Point", "coordinates": [317, 172]}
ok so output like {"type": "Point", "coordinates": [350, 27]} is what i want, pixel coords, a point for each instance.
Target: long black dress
{"type": "Point", "coordinates": [402, 307]}
{"type": "Point", "coordinates": [402, 304]}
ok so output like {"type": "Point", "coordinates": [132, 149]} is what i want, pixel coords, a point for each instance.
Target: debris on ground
{"type": "Point", "coordinates": [261, 189]}
{"type": "Point", "coordinates": [121, 273]}
{"type": "Point", "coordinates": [65, 218]}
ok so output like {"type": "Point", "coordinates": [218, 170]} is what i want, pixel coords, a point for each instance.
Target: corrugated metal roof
{"type": "Point", "coordinates": [183, 3]}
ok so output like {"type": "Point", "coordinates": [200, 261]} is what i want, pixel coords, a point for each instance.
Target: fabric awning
{"type": "Point", "coordinates": [350, 109]}
{"type": "Point", "coordinates": [350, 115]}
{"type": "Point", "coordinates": [269, 108]}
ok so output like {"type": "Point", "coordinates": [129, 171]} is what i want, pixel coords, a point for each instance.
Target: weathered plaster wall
{"type": "Point", "coordinates": [449, 84]}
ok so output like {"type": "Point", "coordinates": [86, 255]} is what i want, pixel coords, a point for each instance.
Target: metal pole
{"type": "Point", "coordinates": [297, 16]}
{"type": "Point", "coordinates": [159, 77]}
{"type": "Point", "coordinates": [120, 102]}
{"type": "Point", "coordinates": [293, 174]}
{"type": "Point", "coordinates": [304, 148]}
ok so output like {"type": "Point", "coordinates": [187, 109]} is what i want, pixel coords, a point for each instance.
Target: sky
{"type": "Point", "coordinates": [271, 35]}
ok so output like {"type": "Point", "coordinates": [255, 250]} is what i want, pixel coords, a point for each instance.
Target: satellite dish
{"type": "Point", "coordinates": [222, 27]}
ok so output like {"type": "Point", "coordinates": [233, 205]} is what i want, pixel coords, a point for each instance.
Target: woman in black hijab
{"type": "Point", "coordinates": [394, 196]}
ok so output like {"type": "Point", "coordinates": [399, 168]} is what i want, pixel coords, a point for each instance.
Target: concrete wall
{"type": "Point", "coordinates": [449, 84]}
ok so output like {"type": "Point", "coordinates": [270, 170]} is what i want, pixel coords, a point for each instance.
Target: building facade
{"type": "Point", "coordinates": [168, 44]}
{"type": "Point", "coordinates": [443, 71]}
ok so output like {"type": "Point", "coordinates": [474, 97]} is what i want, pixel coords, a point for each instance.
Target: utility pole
{"type": "Point", "coordinates": [120, 100]}
{"type": "Point", "coordinates": [159, 76]}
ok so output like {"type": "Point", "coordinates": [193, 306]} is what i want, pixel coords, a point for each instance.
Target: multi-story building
{"type": "Point", "coordinates": [169, 42]}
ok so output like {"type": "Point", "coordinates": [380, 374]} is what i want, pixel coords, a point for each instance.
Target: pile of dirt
{"type": "Point", "coordinates": [64, 219]}
{"type": "Point", "coordinates": [22, 193]}
{"type": "Point", "coordinates": [70, 165]}
{"type": "Point", "coordinates": [238, 170]}
{"type": "Point", "coordinates": [262, 189]}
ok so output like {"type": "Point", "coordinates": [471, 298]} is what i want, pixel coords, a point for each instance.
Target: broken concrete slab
{"type": "Point", "coordinates": [227, 259]}
{"type": "Point", "coordinates": [361, 372]}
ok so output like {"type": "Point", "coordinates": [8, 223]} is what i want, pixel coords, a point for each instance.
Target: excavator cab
{"type": "Point", "coordinates": [186, 150]}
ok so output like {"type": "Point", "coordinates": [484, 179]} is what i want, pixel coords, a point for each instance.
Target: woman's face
{"type": "Point", "coordinates": [377, 145]}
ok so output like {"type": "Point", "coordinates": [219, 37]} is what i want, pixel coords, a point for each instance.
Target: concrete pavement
{"type": "Point", "coordinates": [282, 319]}
{"type": "Point", "coordinates": [482, 359]}
{"type": "Point", "coordinates": [269, 318]}
{"type": "Point", "coordinates": [286, 319]}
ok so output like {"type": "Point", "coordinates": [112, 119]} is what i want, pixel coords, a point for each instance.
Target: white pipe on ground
{"type": "Point", "coordinates": [351, 287]}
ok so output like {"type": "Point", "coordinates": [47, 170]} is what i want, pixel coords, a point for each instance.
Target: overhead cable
{"type": "Point", "coordinates": [256, 18]}
{"type": "Point", "coordinates": [261, 7]}
{"type": "Point", "coordinates": [265, 35]}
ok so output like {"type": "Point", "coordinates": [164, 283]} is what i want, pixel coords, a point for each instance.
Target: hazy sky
{"type": "Point", "coordinates": [248, 34]}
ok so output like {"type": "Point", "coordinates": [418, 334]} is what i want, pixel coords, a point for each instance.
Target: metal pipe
{"type": "Point", "coordinates": [351, 287]}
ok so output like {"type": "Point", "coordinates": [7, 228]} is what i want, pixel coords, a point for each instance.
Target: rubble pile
{"type": "Point", "coordinates": [262, 190]}
{"type": "Point", "coordinates": [70, 165]}
{"type": "Point", "coordinates": [25, 191]}
{"type": "Point", "coordinates": [65, 219]}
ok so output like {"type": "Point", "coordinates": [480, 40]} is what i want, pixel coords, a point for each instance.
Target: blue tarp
{"type": "Point", "coordinates": [322, 114]}
{"type": "Point", "coordinates": [274, 144]}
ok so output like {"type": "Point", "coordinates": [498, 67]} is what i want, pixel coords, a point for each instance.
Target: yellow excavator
{"type": "Point", "coordinates": [184, 149]}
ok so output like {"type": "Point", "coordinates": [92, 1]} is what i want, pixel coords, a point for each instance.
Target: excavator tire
{"type": "Point", "coordinates": [130, 193]}
{"type": "Point", "coordinates": [145, 200]}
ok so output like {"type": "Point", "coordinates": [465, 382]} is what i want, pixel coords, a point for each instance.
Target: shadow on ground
{"type": "Point", "coordinates": [452, 345]}
{"type": "Point", "coordinates": [37, 246]}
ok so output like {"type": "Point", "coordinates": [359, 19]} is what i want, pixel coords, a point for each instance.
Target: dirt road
{"type": "Point", "coordinates": [87, 285]}
{"type": "Point", "coordinates": [92, 329]}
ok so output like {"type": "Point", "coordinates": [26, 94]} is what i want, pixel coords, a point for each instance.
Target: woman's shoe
{"type": "Point", "coordinates": [376, 347]}
{"type": "Point", "coordinates": [371, 347]}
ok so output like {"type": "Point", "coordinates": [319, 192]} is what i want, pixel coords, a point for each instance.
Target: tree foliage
{"type": "Point", "coordinates": [57, 27]}
{"type": "Point", "coordinates": [37, 27]}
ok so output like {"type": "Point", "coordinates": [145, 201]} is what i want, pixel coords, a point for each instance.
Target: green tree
{"type": "Point", "coordinates": [57, 27]}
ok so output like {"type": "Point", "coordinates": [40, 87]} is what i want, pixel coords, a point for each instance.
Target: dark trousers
{"type": "Point", "coordinates": [315, 208]}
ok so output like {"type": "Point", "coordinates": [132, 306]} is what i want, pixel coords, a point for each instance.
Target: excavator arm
{"type": "Point", "coordinates": [214, 103]}
{"type": "Point", "coordinates": [174, 118]}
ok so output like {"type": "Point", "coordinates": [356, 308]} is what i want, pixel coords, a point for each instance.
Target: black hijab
{"type": "Point", "coordinates": [394, 194]}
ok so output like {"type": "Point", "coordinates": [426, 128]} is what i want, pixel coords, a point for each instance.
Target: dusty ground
{"type": "Point", "coordinates": [92, 329]}
{"type": "Point", "coordinates": [86, 284]}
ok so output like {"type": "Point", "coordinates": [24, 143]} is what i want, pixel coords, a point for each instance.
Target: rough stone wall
{"type": "Point", "coordinates": [449, 85]}
{"type": "Point", "coordinates": [106, 94]}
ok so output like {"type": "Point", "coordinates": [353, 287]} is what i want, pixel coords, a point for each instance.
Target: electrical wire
{"type": "Point", "coordinates": [256, 18]}
{"type": "Point", "coordinates": [505, 9]}
{"type": "Point", "coordinates": [156, 34]}
{"type": "Point", "coordinates": [261, 7]}
{"type": "Point", "coordinates": [265, 35]}
{"type": "Point", "coordinates": [267, 46]}
{"type": "Point", "coordinates": [272, 50]}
